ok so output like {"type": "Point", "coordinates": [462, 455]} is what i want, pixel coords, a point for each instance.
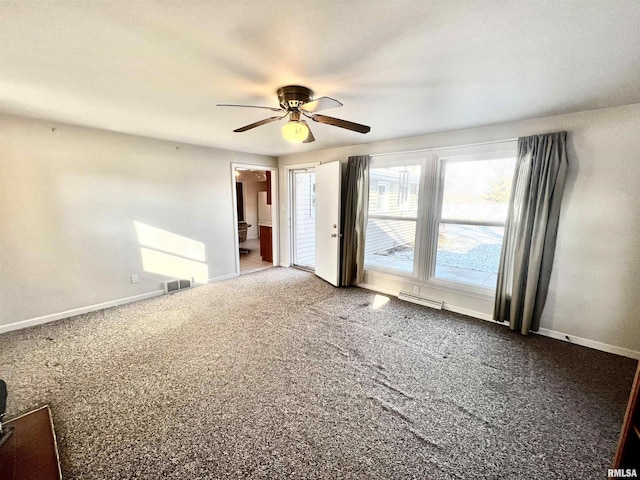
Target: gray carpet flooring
{"type": "Point", "coordinates": [279, 375]}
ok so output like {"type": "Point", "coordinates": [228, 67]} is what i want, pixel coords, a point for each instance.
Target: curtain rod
{"type": "Point", "coordinates": [442, 148]}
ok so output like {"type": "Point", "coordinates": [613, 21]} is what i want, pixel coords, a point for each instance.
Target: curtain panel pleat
{"type": "Point", "coordinates": [354, 220]}
{"type": "Point", "coordinates": [530, 231]}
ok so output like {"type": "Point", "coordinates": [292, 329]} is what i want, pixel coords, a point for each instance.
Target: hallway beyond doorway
{"type": "Point", "coordinates": [253, 261]}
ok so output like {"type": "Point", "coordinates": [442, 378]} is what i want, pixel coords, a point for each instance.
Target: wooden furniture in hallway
{"type": "Point", "coordinates": [266, 244]}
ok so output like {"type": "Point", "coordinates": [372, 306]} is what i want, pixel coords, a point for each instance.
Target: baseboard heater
{"type": "Point", "coordinates": [171, 286]}
{"type": "Point", "coordinates": [420, 300]}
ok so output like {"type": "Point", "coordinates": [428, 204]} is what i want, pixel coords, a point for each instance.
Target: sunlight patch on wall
{"type": "Point", "coordinates": [173, 266]}
{"type": "Point", "coordinates": [379, 301]}
{"type": "Point", "coordinates": [164, 241]}
{"type": "Point", "coordinates": [171, 255]}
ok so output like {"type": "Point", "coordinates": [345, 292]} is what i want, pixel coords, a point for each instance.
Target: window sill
{"type": "Point", "coordinates": [438, 284]}
{"type": "Point", "coordinates": [462, 288]}
{"type": "Point", "coordinates": [388, 272]}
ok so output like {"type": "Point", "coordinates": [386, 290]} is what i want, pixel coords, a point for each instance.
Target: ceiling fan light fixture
{"type": "Point", "coordinates": [295, 131]}
{"type": "Point", "coordinates": [296, 100]}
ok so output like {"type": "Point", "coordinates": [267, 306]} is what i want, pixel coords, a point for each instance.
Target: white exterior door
{"type": "Point", "coordinates": [328, 222]}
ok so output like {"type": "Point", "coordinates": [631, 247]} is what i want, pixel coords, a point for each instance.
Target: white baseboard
{"type": "Point", "coordinates": [32, 322]}
{"type": "Point", "coordinates": [467, 312]}
{"type": "Point", "coordinates": [585, 342]}
{"type": "Point", "coordinates": [223, 277]}
{"type": "Point", "coordinates": [565, 337]}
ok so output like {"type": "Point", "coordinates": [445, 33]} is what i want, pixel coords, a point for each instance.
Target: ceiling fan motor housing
{"type": "Point", "coordinates": [293, 96]}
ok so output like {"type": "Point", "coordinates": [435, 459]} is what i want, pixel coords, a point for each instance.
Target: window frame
{"type": "Point", "coordinates": [413, 158]}
{"type": "Point", "coordinates": [429, 213]}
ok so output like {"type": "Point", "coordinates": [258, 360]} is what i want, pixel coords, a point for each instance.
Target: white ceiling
{"type": "Point", "coordinates": [158, 68]}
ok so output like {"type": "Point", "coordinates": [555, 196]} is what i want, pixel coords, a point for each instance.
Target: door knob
{"type": "Point", "coordinates": [333, 235]}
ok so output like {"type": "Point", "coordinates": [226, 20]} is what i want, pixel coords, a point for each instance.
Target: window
{"type": "Point", "coordinates": [474, 205]}
{"type": "Point", "coordinates": [438, 216]}
{"type": "Point", "coordinates": [393, 216]}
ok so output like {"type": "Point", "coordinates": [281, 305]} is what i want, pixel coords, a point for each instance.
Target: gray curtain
{"type": "Point", "coordinates": [354, 220]}
{"type": "Point", "coordinates": [530, 231]}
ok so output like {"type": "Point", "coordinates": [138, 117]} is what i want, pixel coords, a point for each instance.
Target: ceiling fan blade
{"type": "Point", "coordinates": [257, 124]}
{"type": "Point", "coordinates": [310, 138]}
{"type": "Point", "coordinates": [322, 103]}
{"type": "Point", "coordinates": [273, 109]}
{"type": "Point", "coordinates": [336, 122]}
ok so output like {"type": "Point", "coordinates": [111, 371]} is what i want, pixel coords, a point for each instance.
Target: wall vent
{"type": "Point", "coordinates": [420, 300]}
{"type": "Point", "coordinates": [171, 286]}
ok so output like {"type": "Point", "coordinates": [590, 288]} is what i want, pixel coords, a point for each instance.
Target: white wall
{"type": "Point", "coordinates": [68, 202]}
{"type": "Point", "coordinates": [596, 275]}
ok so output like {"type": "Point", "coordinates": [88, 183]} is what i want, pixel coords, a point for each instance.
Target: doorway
{"type": "Point", "coordinates": [303, 218]}
{"type": "Point", "coordinates": [254, 197]}
{"type": "Point", "coordinates": [314, 218]}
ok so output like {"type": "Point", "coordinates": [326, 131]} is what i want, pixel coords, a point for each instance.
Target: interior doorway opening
{"type": "Point", "coordinates": [254, 196]}
{"type": "Point", "coordinates": [303, 218]}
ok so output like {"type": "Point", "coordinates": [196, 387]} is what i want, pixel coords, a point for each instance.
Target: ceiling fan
{"type": "Point", "coordinates": [296, 101]}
